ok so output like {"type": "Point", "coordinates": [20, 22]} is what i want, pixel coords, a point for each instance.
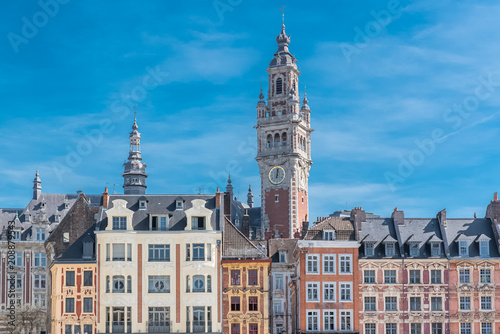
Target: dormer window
{"type": "Point", "coordinates": [159, 223]}
{"type": "Point", "coordinates": [56, 218]}
{"type": "Point", "coordinates": [88, 249]}
{"type": "Point", "coordinates": [282, 255]}
{"type": "Point", "coordinates": [414, 249]}
{"type": "Point", "coordinates": [484, 248]}
{"type": "Point", "coordinates": [390, 250]}
{"type": "Point", "coordinates": [66, 205]}
{"type": "Point", "coordinates": [435, 249]}
{"type": "Point", "coordinates": [27, 218]}
{"type": "Point", "coordinates": [119, 223]}
{"type": "Point", "coordinates": [16, 235]}
{"type": "Point", "coordinates": [198, 223]}
{"type": "Point", "coordinates": [369, 248]}
{"type": "Point", "coordinates": [329, 235]}
{"type": "Point", "coordinates": [142, 205]}
{"type": "Point", "coordinates": [463, 248]}
{"type": "Point", "coordinates": [179, 204]}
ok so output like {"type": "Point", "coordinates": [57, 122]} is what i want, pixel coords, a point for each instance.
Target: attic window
{"type": "Point", "coordinates": [16, 235]}
{"type": "Point", "coordinates": [179, 204]}
{"type": "Point", "coordinates": [66, 237]}
{"type": "Point", "coordinates": [198, 223]}
{"type": "Point", "coordinates": [142, 205]}
{"type": "Point", "coordinates": [282, 256]}
{"type": "Point", "coordinates": [369, 248]}
{"type": "Point", "coordinates": [329, 235]}
{"type": "Point", "coordinates": [27, 218]}
{"type": "Point", "coordinates": [414, 249]}
{"type": "Point", "coordinates": [56, 218]}
{"type": "Point", "coordinates": [88, 249]}
{"type": "Point", "coordinates": [463, 248]}
{"type": "Point", "coordinates": [435, 249]}
{"type": "Point", "coordinates": [389, 249]}
{"type": "Point", "coordinates": [484, 248]}
{"type": "Point", "coordinates": [159, 223]}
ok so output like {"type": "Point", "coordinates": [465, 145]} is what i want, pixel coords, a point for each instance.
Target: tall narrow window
{"type": "Point", "coordinates": [279, 86]}
{"type": "Point", "coordinates": [484, 248]}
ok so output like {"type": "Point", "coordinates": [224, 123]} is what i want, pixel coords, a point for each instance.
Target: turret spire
{"type": "Point", "coordinates": [37, 186]}
{"type": "Point", "coordinates": [250, 196]}
{"type": "Point", "coordinates": [134, 169]}
{"type": "Point", "coordinates": [229, 186]}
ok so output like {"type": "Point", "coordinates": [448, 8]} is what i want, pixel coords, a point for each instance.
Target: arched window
{"type": "Point", "coordinates": [277, 139]}
{"type": "Point", "coordinates": [118, 284]}
{"type": "Point", "coordinates": [279, 86]}
{"type": "Point", "coordinates": [269, 141]}
{"type": "Point", "coordinates": [283, 138]}
{"type": "Point", "coordinates": [198, 283]}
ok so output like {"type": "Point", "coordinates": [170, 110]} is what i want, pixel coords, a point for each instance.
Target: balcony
{"type": "Point", "coordinates": [159, 327]}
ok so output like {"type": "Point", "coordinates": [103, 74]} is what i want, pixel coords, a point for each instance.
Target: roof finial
{"type": "Point", "coordinates": [282, 9]}
{"type": "Point", "coordinates": [135, 126]}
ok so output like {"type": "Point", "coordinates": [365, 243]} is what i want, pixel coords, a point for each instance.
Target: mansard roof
{"type": "Point", "coordinates": [381, 229]}
{"type": "Point", "coordinates": [162, 205]}
{"type": "Point", "coordinates": [469, 229]}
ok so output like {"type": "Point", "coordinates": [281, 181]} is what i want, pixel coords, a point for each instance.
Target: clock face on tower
{"type": "Point", "coordinates": [302, 177]}
{"type": "Point", "coordinates": [277, 175]}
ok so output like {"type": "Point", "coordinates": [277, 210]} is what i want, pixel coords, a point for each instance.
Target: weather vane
{"type": "Point", "coordinates": [282, 9]}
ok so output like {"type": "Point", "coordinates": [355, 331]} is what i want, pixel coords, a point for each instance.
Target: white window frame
{"type": "Point", "coordinates": [313, 258]}
{"type": "Point", "coordinates": [313, 286]}
{"type": "Point", "coordinates": [279, 281]}
{"type": "Point", "coordinates": [329, 286]}
{"type": "Point", "coordinates": [327, 258]}
{"type": "Point", "coordinates": [278, 307]}
{"type": "Point", "coordinates": [342, 316]}
{"type": "Point", "coordinates": [342, 288]}
{"type": "Point", "coordinates": [329, 314]}
{"type": "Point", "coordinates": [314, 314]}
{"type": "Point", "coordinates": [345, 258]}
{"type": "Point", "coordinates": [329, 235]}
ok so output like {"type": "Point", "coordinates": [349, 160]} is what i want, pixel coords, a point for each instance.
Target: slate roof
{"type": "Point", "coordinates": [277, 245]}
{"type": "Point", "coordinates": [420, 230]}
{"type": "Point", "coordinates": [237, 246]}
{"type": "Point", "coordinates": [344, 229]}
{"type": "Point", "coordinates": [75, 251]}
{"type": "Point", "coordinates": [238, 210]}
{"type": "Point", "coordinates": [470, 229]}
{"type": "Point", "coordinates": [381, 229]}
{"type": "Point", "coordinates": [161, 204]}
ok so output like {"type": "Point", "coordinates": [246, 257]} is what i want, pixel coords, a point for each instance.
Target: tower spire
{"type": "Point", "coordinates": [229, 186]}
{"type": "Point", "coordinates": [37, 186]}
{"type": "Point", "coordinates": [250, 196]}
{"type": "Point", "coordinates": [134, 174]}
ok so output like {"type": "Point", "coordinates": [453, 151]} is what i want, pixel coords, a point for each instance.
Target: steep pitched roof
{"type": "Point", "coordinates": [344, 229]}
{"type": "Point", "coordinates": [237, 246]}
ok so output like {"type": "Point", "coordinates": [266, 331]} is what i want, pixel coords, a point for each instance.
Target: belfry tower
{"type": "Point", "coordinates": [134, 175]}
{"type": "Point", "coordinates": [283, 146]}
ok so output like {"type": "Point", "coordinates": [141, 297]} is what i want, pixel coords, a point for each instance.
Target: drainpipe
{"type": "Point", "coordinates": [449, 315]}
{"type": "Point", "coordinates": [404, 293]}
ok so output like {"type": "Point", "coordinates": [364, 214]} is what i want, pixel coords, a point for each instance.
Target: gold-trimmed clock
{"type": "Point", "coordinates": [277, 175]}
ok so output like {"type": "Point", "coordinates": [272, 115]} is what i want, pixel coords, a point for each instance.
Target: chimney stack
{"type": "Point", "coordinates": [398, 216]}
{"type": "Point", "coordinates": [441, 217]}
{"type": "Point", "coordinates": [305, 227]}
{"type": "Point", "coordinates": [105, 198]}
{"type": "Point", "coordinates": [245, 224]}
{"type": "Point", "coordinates": [358, 216]}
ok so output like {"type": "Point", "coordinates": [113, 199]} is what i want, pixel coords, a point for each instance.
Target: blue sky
{"type": "Point", "coordinates": [405, 109]}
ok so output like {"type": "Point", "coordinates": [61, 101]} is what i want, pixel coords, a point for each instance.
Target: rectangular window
{"type": "Point", "coordinates": [252, 303]}
{"type": "Point", "coordinates": [118, 252]}
{"type": "Point", "coordinates": [278, 282]}
{"type": "Point", "coordinates": [370, 329]}
{"type": "Point", "coordinates": [87, 278]}
{"type": "Point", "coordinates": [278, 308]}
{"type": "Point", "coordinates": [70, 278]}
{"type": "Point", "coordinates": [198, 223]}
{"type": "Point", "coordinates": [436, 304]}
{"type": "Point", "coordinates": [485, 303]}
{"type": "Point", "coordinates": [485, 276]}
{"type": "Point", "coordinates": [345, 291]}
{"type": "Point", "coordinates": [329, 320]}
{"type": "Point", "coordinates": [159, 253]}
{"type": "Point", "coordinates": [465, 303]}
{"type": "Point", "coordinates": [159, 284]}
{"type": "Point", "coordinates": [312, 292]}
{"type": "Point", "coordinates": [40, 260]}
{"type": "Point", "coordinates": [19, 259]}
{"type": "Point", "coordinates": [390, 276]}
{"type": "Point", "coordinates": [119, 223]}
{"type": "Point", "coordinates": [19, 281]}
{"type": "Point", "coordinates": [328, 264]}
{"type": "Point", "coordinates": [253, 329]}
{"type": "Point", "coordinates": [435, 249]}
{"type": "Point", "coordinates": [486, 328]}
{"type": "Point", "coordinates": [464, 276]}
{"type": "Point", "coordinates": [329, 292]}
{"type": "Point", "coordinates": [390, 250]}
{"type": "Point", "coordinates": [484, 248]}
{"type": "Point", "coordinates": [391, 329]}
{"type": "Point", "coordinates": [87, 329]}
{"type": "Point", "coordinates": [312, 321]}
{"type": "Point", "coordinates": [235, 303]}
{"type": "Point", "coordinates": [415, 329]}
{"type": "Point", "coordinates": [414, 276]}
{"type": "Point", "coordinates": [329, 235]}
{"type": "Point", "coordinates": [345, 320]}
{"type": "Point", "coordinates": [436, 328]}
{"type": "Point", "coordinates": [345, 264]}
{"type": "Point", "coordinates": [312, 264]}
{"type": "Point", "coordinates": [198, 252]}
{"type": "Point", "coordinates": [159, 223]}
{"type": "Point", "coordinates": [40, 281]}
{"type": "Point", "coordinates": [235, 277]}
{"type": "Point", "coordinates": [414, 249]}
{"type": "Point", "coordinates": [235, 328]}
{"type": "Point", "coordinates": [87, 305]}
{"type": "Point", "coordinates": [391, 303]}
{"type": "Point", "coordinates": [253, 276]}
{"type": "Point", "coordinates": [70, 305]}
{"type": "Point", "coordinates": [463, 248]}
{"type": "Point", "coordinates": [282, 257]}
{"type": "Point", "coordinates": [369, 276]}
{"type": "Point", "coordinates": [40, 234]}
{"type": "Point", "coordinates": [415, 304]}
{"type": "Point", "coordinates": [68, 329]}
{"type": "Point", "coordinates": [465, 328]}
{"type": "Point", "coordinates": [435, 276]}
{"type": "Point", "coordinates": [370, 303]}
{"type": "Point", "coordinates": [369, 248]}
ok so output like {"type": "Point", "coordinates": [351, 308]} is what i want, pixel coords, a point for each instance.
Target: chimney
{"type": "Point", "coordinates": [398, 217]}
{"type": "Point", "coordinates": [105, 198]}
{"type": "Point", "coordinates": [305, 227]}
{"type": "Point", "coordinates": [441, 217]}
{"type": "Point", "coordinates": [245, 224]}
{"type": "Point", "coordinates": [495, 197]}
{"type": "Point", "coordinates": [217, 198]}
{"type": "Point", "coordinates": [493, 209]}
{"type": "Point", "coordinates": [358, 216]}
